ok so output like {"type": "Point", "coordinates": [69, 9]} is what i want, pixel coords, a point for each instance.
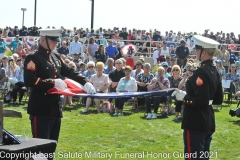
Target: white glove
{"type": "Point", "coordinates": [88, 88]}
{"type": "Point", "coordinates": [179, 94]}
{"type": "Point", "coordinates": [60, 84]}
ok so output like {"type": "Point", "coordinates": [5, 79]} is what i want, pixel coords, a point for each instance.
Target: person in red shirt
{"type": "Point", "coordinates": [232, 46]}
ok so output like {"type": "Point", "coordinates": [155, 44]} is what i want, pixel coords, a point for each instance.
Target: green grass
{"type": "Point", "coordinates": [130, 134]}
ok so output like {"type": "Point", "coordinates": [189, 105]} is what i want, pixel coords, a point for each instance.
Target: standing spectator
{"type": "Point", "coordinates": [2, 48]}
{"type": "Point", "coordinates": [101, 54]}
{"type": "Point", "coordinates": [63, 49]}
{"type": "Point", "coordinates": [165, 50]}
{"type": "Point", "coordinates": [220, 68]}
{"type": "Point", "coordinates": [92, 48]}
{"type": "Point", "coordinates": [156, 84]}
{"type": "Point", "coordinates": [224, 56]}
{"type": "Point", "coordinates": [126, 84]}
{"type": "Point", "coordinates": [75, 47]}
{"type": "Point", "coordinates": [15, 42]}
{"type": "Point", "coordinates": [123, 34]}
{"type": "Point", "coordinates": [129, 37]}
{"type": "Point", "coordinates": [156, 54]}
{"type": "Point", "coordinates": [182, 54]}
{"type": "Point", "coordinates": [16, 30]}
{"type": "Point", "coordinates": [111, 50]}
{"type": "Point", "coordinates": [119, 48]}
{"type": "Point", "coordinates": [20, 50]}
{"type": "Point", "coordinates": [109, 67]}
{"type": "Point", "coordinates": [64, 33]}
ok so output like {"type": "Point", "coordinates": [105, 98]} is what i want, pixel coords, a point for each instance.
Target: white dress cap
{"type": "Point", "coordinates": [205, 42]}
{"type": "Point", "coordinates": [50, 32]}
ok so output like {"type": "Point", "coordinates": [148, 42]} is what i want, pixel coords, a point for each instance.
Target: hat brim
{"type": "Point", "coordinates": [57, 39]}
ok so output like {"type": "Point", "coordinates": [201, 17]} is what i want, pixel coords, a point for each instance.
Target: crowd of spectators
{"type": "Point", "coordinates": [98, 56]}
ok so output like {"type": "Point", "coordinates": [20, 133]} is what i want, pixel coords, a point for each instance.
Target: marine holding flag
{"type": "Point", "coordinates": [203, 88]}
{"type": "Point", "coordinates": [42, 71]}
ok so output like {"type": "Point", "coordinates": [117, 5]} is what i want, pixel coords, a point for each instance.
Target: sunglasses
{"type": "Point", "coordinates": [175, 70]}
{"type": "Point", "coordinates": [90, 67]}
{"type": "Point", "coordinates": [118, 63]}
{"type": "Point", "coordinates": [233, 67]}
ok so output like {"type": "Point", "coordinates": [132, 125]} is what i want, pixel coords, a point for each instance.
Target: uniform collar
{"type": "Point", "coordinates": [209, 61]}
{"type": "Point", "coordinates": [40, 48]}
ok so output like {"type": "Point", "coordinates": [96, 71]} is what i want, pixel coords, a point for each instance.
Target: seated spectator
{"type": "Point", "coordinates": [220, 68]}
{"type": "Point", "coordinates": [3, 48]}
{"type": "Point", "coordinates": [233, 58]}
{"type": "Point", "coordinates": [77, 60]}
{"type": "Point", "coordinates": [171, 43]}
{"type": "Point", "coordinates": [11, 71]}
{"type": "Point", "coordinates": [124, 62]}
{"type": "Point", "coordinates": [115, 76]}
{"type": "Point", "coordinates": [19, 85]}
{"type": "Point", "coordinates": [109, 67]}
{"type": "Point", "coordinates": [100, 82]}
{"type": "Point", "coordinates": [138, 70]}
{"type": "Point", "coordinates": [63, 49]}
{"type": "Point", "coordinates": [237, 64]}
{"type": "Point", "coordinates": [103, 41]}
{"type": "Point", "coordinates": [15, 57]}
{"type": "Point", "coordinates": [69, 98]}
{"type": "Point", "coordinates": [224, 56]}
{"type": "Point", "coordinates": [156, 84]}
{"type": "Point", "coordinates": [3, 78]}
{"type": "Point", "coordinates": [101, 54]}
{"type": "Point", "coordinates": [234, 77]}
{"type": "Point", "coordinates": [143, 80]}
{"type": "Point", "coordinates": [82, 68]}
{"type": "Point", "coordinates": [175, 79]}
{"type": "Point", "coordinates": [34, 47]}
{"type": "Point", "coordinates": [90, 70]}
{"type": "Point", "coordinates": [165, 66]}
{"type": "Point", "coordinates": [232, 46]}
{"type": "Point", "coordinates": [20, 50]}
{"type": "Point", "coordinates": [169, 64]}
{"type": "Point", "coordinates": [126, 84]}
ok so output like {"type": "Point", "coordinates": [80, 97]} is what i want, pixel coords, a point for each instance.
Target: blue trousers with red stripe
{"type": "Point", "coordinates": [45, 128]}
{"type": "Point", "coordinates": [196, 145]}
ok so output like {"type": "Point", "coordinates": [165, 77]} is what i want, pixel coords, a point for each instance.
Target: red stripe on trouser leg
{"type": "Point", "coordinates": [189, 145]}
{"type": "Point", "coordinates": [35, 127]}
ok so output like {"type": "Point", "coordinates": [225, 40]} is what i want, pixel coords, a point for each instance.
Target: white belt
{"type": "Point", "coordinates": [210, 102]}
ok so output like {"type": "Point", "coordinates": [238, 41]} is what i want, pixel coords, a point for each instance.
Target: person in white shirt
{"type": "Point", "coordinates": [75, 47]}
{"type": "Point", "coordinates": [165, 50]}
{"type": "Point", "coordinates": [156, 54]}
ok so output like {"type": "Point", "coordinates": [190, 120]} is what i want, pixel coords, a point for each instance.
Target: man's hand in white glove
{"type": "Point", "coordinates": [60, 84]}
{"type": "Point", "coordinates": [88, 88]}
{"type": "Point", "coordinates": [180, 95]}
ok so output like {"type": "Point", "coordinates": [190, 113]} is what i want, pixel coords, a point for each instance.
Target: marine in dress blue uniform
{"type": "Point", "coordinates": [42, 71]}
{"type": "Point", "coordinates": [203, 88]}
